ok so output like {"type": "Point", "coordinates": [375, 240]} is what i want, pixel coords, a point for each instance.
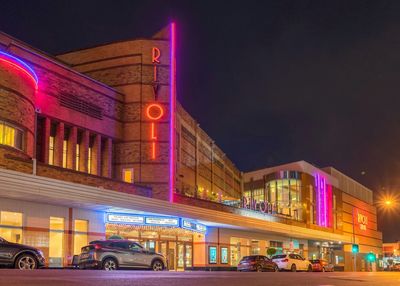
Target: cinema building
{"type": "Point", "coordinates": [93, 145]}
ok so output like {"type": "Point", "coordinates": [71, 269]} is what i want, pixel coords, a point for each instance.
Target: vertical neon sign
{"type": "Point", "coordinates": [324, 203]}
{"type": "Point", "coordinates": [172, 111]}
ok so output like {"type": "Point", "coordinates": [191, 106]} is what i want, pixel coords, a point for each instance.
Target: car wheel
{"type": "Point", "coordinates": [309, 269]}
{"type": "Point", "coordinates": [293, 268]}
{"type": "Point", "coordinates": [109, 264]}
{"type": "Point", "coordinates": [259, 268]}
{"type": "Point", "coordinates": [276, 268]}
{"type": "Point", "coordinates": [26, 262]}
{"type": "Point", "coordinates": [157, 265]}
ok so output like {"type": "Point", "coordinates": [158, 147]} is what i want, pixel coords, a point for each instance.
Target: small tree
{"type": "Point", "coordinates": [271, 251]}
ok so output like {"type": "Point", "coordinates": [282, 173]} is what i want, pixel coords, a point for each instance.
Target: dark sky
{"type": "Point", "coordinates": [271, 81]}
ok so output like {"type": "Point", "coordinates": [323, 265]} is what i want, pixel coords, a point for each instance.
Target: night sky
{"type": "Point", "coordinates": [270, 81]}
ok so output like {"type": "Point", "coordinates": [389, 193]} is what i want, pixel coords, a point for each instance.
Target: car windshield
{"type": "Point", "coordinates": [279, 256]}
{"type": "Point", "coordinates": [2, 239]}
{"type": "Point", "coordinates": [314, 261]}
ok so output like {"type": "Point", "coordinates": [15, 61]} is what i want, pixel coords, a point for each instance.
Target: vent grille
{"type": "Point", "coordinates": [77, 104]}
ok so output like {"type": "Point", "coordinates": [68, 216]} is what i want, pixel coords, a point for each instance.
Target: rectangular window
{"type": "Point", "coordinates": [11, 226]}
{"type": "Point", "coordinates": [56, 241]}
{"type": "Point", "coordinates": [10, 136]}
{"type": "Point", "coordinates": [51, 150]}
{"type": "Point", "coordinates": [77, 157]}
{"type": "Point", "coordinates": [89, 162]}
{"type": "Point", "coordinates": [64, 153]}
{"type": "Point", "coordinates": [80, 235]}
{"type": "Point", "coordinates": [127, 175]}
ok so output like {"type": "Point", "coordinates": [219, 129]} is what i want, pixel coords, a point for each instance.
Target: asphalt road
{"type": "Point", "coordinates": [197, 278]}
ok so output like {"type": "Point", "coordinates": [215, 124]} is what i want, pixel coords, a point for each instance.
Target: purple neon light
{"type": "Point", "coordinates": [172, 113]}
{"type": "Point", "coordinates": [21, 65]}
{"type": "Point", "coordinates": [321, 194]}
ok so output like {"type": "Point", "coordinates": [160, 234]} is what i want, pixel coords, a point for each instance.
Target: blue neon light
{"type": "Point", "coordinates": [24, 65]}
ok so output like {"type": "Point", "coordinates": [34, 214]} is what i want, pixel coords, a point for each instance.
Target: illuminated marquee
{"type": "Point", "coordinates": [20, 66]}
{"type": "Point", "coordinates": [166, 221]}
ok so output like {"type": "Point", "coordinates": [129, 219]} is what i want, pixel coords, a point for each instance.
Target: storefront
{"type": "Point", "coordinates": [173, 237]}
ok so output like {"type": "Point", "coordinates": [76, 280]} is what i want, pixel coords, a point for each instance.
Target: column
{"type": "Point", "coordinates": [106, 169]}
{"type": "Point", "coordinates": [58, 145]}
{"type": "Point", "coordinates": [84, 147]}
{"type": "Point", "coordinates": [71, 154]}
{"type": "Point", "coordinates": [96, 155]}
{"type": "Point", "coordinates": [46, 138]}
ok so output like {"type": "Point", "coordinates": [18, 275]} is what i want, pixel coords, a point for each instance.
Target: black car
{"type": "Point", "coordinates": [259, 263]}
{"type": "Point", "coordinates": [20, 256]}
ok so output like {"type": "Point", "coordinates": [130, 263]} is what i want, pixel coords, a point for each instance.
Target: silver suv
{"type": "Point", "coordinates": [116, 253]}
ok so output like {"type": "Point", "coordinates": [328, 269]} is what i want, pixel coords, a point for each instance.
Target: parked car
{"type": "Point", "coordinates": [14, 255]}
{"type": "Point", "coordinates": [321, 265]}
{"type": "Point", "coordinates": [114, 254]}
{"type": "Point", "coordinates": [396, 267]}
{"type": "Point", "coordinates": [292, 262]}
{"type": "Point", "coordinates": [257, 263]}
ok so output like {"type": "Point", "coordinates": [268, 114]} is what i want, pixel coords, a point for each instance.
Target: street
{"type": "Point", "coordinates": [144, 278]}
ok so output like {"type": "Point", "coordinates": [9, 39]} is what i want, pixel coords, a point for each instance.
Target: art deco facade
{"type": "Point", "coordinates": [94, 144]}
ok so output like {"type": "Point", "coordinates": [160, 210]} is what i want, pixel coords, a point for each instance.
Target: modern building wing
{"type": "Point", "coordinates": [93, 144]}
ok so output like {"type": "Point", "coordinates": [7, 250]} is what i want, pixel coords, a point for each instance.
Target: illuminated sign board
{"type": "Point", "coordinates": [360, 219]}
{"type": "Point", "coordinates": [212, 255]}
{"type": "Point", "coordinates": [154, 111]}
{"type": "Point", "coordinates": [167, 221]}
{"type": "Point", "coordinates": [224, 255]}
{"type": "Point", "coordinates": [193, 226]}
{"type": "Point", "coordinates": [155, 220]}
{"type": "Point", "coordinates": [130, 219]}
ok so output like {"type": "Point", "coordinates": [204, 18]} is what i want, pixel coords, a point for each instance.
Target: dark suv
{"type": "Point", "coordinates": [116, 253]}
{"type": "Point", "coordinates": [20, 256]}
{"type": "Point", "coordinates": [257, 263]}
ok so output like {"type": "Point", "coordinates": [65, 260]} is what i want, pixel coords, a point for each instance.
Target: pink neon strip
{"type": "Point", "coordinates": [172, 114]}
{"type": "Point", "coordinates": [21, 69]}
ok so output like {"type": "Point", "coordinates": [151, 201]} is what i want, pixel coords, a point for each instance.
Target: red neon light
{"type": "Point", "coordinates": [155, 55]}
{"type": "Point", "coordinates": [172, 114]}
{"type": "Point", "coordinates": [21, 69]}
{"type": "Point", "coordinates": [154, 108]}
{"type": "Point", "coordinates": [153, 135]}
{"type": "Point", "coordinates": [153, 153]}
{"type": "Point", "coordinates": [155, 73]}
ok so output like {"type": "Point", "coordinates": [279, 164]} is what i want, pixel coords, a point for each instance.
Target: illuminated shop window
{"type": "Point", "coordinates": [286, 195]}
{"type": "Point", "coordinates": [64, 153]}
{"type": "Point", "coordinates": [51, 150]}
{"type": "Point", "coordinates": [56, 239]}
{"type": "Point", "coordinates": [10, 135]}
{"type": "Point", "coordinates": [258, 195]}
{"type": "Point", "coordinates": [77, 157]}
{"type": "Point", "coordinates": [127, 175]}
{"type": "Point", "coordinates": [89, 162]}
{"type": "Point", "coordinates": [81, 235]}
{"type": "Point", "coordinates": [11, 226]}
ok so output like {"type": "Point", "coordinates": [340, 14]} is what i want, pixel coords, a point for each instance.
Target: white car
{"type": "Point", "coordinates": [292, 262]}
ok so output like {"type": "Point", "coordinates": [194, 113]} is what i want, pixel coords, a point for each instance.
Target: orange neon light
{"type": "Point", "coordinates": [155, 55]}
{"type": "Point", "coordinates": [154, 108]}
{"type": "Point", "coordinates": [153, 135]}
{"type": "Point", "coordinates": [153, 153]}
{"type": "Point", "coordinates": [155, 73]}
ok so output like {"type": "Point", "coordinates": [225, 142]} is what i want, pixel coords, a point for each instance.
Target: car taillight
{"type": "Point", "coordinates": [97, 246]}
{"type": "Point", "coordinates": [285, 260]}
